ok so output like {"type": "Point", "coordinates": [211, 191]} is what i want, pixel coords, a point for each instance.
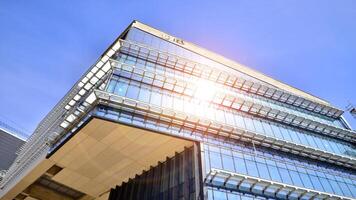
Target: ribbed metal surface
{"type": "Point", "coordinates": [176, 178]}
{"type": "Point", "coordinates": [9, 144]}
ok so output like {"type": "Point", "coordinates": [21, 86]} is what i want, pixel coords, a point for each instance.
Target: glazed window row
{"type": "Point", "coordinates": [220, 194]}
{"type": "Point", "coordinates": [285, 170]}
{"type": "Point", "coordinates": [144, 93]}
{"type": "Point", "coordinates": [149, 66]}
{"type": "Point", "coordinates": [251, 160]}
{"type": "Point", "coordinates": [164, 46]}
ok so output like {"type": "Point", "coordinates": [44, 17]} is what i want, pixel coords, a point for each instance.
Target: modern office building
{"type": "Point", "coordinates": [11, 140]}
{"type": "Point", "coordinates": [157, 117]}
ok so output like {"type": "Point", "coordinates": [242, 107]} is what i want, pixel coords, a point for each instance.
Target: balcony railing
{"type": "Point", "coordinates": [224, 78]}
{"type": "Point", "coordinates": [234, 101]}
{"type": "Point", "coordinates": [195, 123]}
{"type": "Point", "coordinates": [270, 189]}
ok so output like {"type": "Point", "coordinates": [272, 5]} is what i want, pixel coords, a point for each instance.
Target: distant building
{"type": "Point", "coordinates": [10, 142]}
{"type": "Point", "coordinates": [352, 109]}
{"type": "Point", "coordinates": [159, 118]}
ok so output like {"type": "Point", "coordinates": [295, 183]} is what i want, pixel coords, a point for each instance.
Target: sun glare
{"type": "Point", "coordinates": [205, 90]}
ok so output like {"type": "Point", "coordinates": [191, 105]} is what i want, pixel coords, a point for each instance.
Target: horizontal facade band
{"type": "Point", "coordinates": [233, 101]}
{"type": "Point", "coordinates": [224, 78]}
{"type": "Point", "coordinates": [245, 183]}
{"type": "Point", "coordinates": [211, 127]}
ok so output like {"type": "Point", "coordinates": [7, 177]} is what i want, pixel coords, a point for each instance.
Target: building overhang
{"type": "Point", "coordinates": [99, 156]}
{"type": "Point", "coordinates": [104, 154]}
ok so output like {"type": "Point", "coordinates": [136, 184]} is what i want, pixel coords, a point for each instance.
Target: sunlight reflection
{"type": "Point", "coordinates": [205, 90]}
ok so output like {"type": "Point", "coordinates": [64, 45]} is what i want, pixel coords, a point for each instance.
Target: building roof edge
{"type": "Point", "coordinates": [225, 61]}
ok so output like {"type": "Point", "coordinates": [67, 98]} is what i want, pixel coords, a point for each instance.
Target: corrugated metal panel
{"type": "Point", "coordinates": [9, 144]}
{"type": "Point", "coordinates": [176, 178]}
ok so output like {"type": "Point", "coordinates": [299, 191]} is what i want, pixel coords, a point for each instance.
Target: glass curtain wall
{"type": "Point", "coordinates": [222, 153]}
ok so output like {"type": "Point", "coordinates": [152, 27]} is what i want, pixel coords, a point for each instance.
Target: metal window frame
{"type": "Point", "coordinates": [127, 46]}
{"type": "Point", "coordinates": [180, 119]}
{"type": "Point", "coordinates": [246, 106]}
{"type": "Point", "coordinates": [264, 187]}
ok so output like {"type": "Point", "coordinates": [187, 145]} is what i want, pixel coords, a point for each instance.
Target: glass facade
{"type": "Point", "coordinates": [122, 86]}
{"type": "Point", "coordinates": [254, 161]}
{"type": "Point", "coordinates": [253, 138]}
{"type": "Point", "coordinates": [218, 194]}
{"type": "Point", "coordinates": [144, 38]}
{"type": "Point", "coordinates": [181, 93]}
{"type": "Point", "coordinates": [157, 85]}
{"type": "Point", "coordinates": [280, 168]}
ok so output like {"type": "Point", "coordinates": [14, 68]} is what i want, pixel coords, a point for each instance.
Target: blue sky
{"type": "Point", "coordinates": [46, 45]}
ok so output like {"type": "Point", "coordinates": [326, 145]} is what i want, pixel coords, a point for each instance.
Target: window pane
{"type": "Point", "coordinates": [249, 124]}
{"type": "Point", "coordinates": [319, 143]}
{"type": "Point", "coordinates": [285, 175]}
{"type": "Point", "coordinates": [231, 196]}
{"type": "Point", "coordinates": [220, 116]}
{"type": "Point", "coordinates": [228, 163]}
{"type": "Point", "coordinates": [303, 139]}
{"type": "Point", "coordinates": [251, 168]}
{"type": "Point", "coordinates": [306, 181]}
{"type": "Point", "coordinates": [258, 126]}
{"type": "Point", "coordinates": [274, 173]}
{"type": "Point", "coordinates": [295, 177]}
{"type": "Point", "coordinates": [263, 171]}
{"type": "Point", "coordinates": [120, 88]}
{"type": "Point", "coordinates": [215, 160]}
{"type": "Point", "coordinates": [336, 187]}
{"type": "Point", "coordinates": [178, 104]}
{"type": "Point", "coordinates": [229, 118]}
{"type": "Point", "coordinates": [219, 195]}
{"type": "Point", "coordinates": [285, 134]}
{"type": "Point", "coordinates": [144, 95]}
{"type": "Point", "coordinates": [210, 194]}
{"type": "Point", "coordinates": [245, 197]}
{"type": "Point", "coordinates": [156, 98]}
{"type": "Point", "coordinates": [132, 91]}
{"type": "Point", "coordinates": [311, 140]}
{"type": "Point", "coordinates": [268, 129]}
{"type": "Point", "coordinates": [240, 165]}
{"type": "Point", "coordinates": [345, 189]}
{"type": "Point", "coordinates": [111, 86]}
{"type": "Point", "coordinates": [239, 121]}
{"type": "Point", "coordinates": [167, 101]}
{"type": "Point", "coordinates": [207, 162]}
{"type": "Point", "coordinates": [276, 131]}
{"type": "Point", "coordinates": [316, 183]}
{"type": "Point", "coordinates": [326, 185]}
{"type": "Point", "coordinates": [352, 189]}
{"type": "Point", "coordinates": [294, 136]}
